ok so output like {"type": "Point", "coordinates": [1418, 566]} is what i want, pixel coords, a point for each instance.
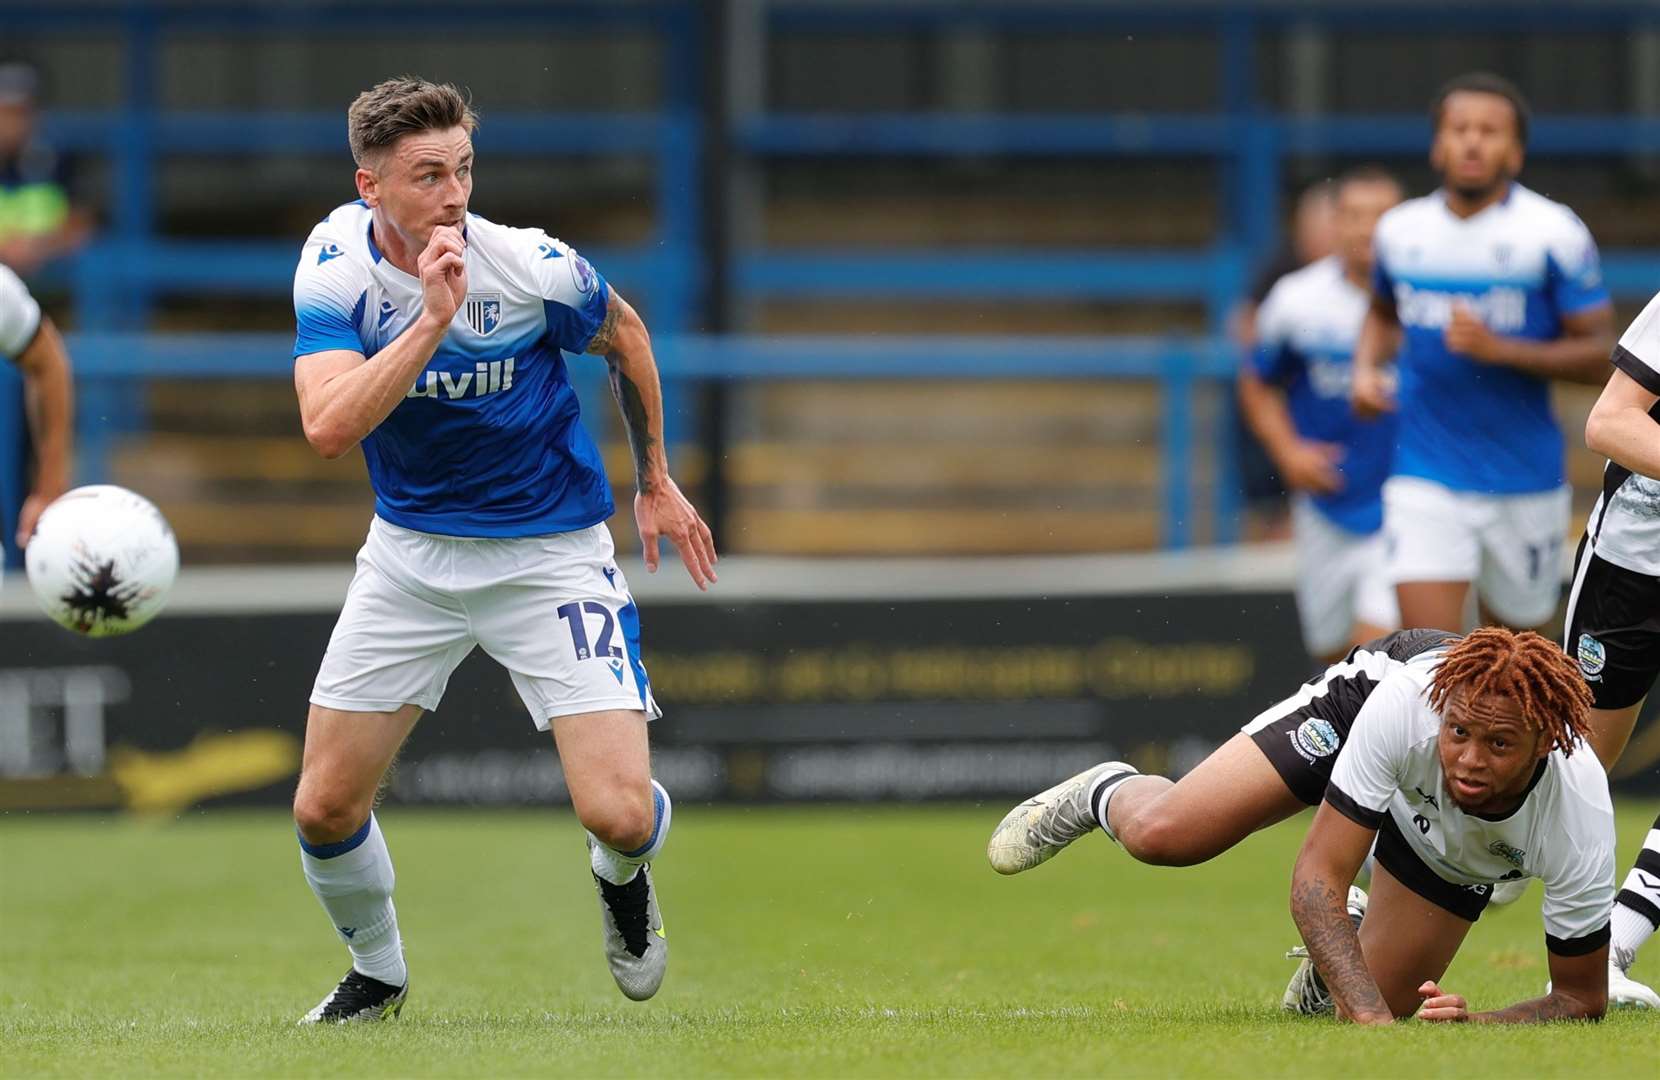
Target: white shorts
{"type": "Point", "coordinates": [1342, 580]}
{"type": "Point", "coordinates": [1508, 546]}
{"type": "Point", "coordinates": [554, 610]}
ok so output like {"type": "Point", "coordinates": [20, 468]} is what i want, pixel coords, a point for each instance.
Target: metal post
{"type": "Point", "coordinates": [135, 167]}
{"type": "Point", "coordinates": [1178, 448]}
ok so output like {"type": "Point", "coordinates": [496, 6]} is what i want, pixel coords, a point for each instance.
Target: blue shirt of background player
{"type": "Point", "coordinates": [1307, 330]}
{"type": "Point", "coordinates": [1522, 265]}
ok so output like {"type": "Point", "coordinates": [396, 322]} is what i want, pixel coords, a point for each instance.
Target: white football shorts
{"type": "Point", "coordinates": [1508, 546]}
{"type": "Point", "coordinates": [1342, 579]}
{"type": "Point", "coordinates": [554, 610]}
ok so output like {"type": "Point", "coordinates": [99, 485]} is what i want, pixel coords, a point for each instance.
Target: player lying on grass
{"type": "Point", "coordinates": [1456, 756]}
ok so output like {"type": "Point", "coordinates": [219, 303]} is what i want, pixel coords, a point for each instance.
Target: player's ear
{"type": "Point", "coordinates": [368, 187]}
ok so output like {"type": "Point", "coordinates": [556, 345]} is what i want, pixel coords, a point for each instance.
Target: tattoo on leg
{"type": "Point", "coordinates": [637, 425]}
{"type": "Point", "coordinates": [605, 336]}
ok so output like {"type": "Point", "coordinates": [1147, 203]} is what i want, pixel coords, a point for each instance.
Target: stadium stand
{"type": "Point", "coordinates": [888, 177]}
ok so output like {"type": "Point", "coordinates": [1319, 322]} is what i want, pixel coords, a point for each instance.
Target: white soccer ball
{"type": "Point", "coordinates": [102, 560]}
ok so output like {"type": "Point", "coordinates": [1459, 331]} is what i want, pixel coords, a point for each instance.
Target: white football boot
{"type": "Point", "coordinates": [1035, 831]}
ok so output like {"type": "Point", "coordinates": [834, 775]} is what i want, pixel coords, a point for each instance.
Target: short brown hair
{"type": "Point", "coordinates": [1526, 668]}
{"type": "Point", "coordinates": [388, 111]}
{"type": "Point", "coordinates": [1368, 174]}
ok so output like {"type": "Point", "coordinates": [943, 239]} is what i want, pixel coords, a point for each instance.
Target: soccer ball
{"type": "Point", "coordinates": [102, 560]}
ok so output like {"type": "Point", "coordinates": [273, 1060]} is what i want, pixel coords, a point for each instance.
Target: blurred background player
{"type": "Point", "coordinates": [29, 340]}
{"type": "Point", "coordinates": [1491, 290]}
{"type": "Point", "coordinates": [1313, 236]}
{"type": "Point", "coordinates": [1294, 394]}
{"type": "Point", "coordinates": [1613, 623]}
{"type": "Point", "coordinates": [40, 218]}
{"type": "Point", "coordinates": [39, 221]}
{"type": "Point", "coordinates": [433, 338]}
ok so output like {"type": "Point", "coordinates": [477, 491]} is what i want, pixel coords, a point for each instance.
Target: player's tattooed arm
{"type": "Point", "coordinates": [1331, 855]}
{"type": "Point", "coordinates": [623, 340]}
{"type": "Point", "coordinates": [660, 508]}
{"type": "Point", "coordinates": [606, 336]}
{"type": "Point", "coordinates": [1318, 908]}
{"type": "Point", "coordinates": [637, 422]}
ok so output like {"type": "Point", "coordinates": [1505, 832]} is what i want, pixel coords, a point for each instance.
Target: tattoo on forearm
{"type": "Point", "coordinates": [638, 425]}
{"type": "Point", "coordinates": [1334, 947]}
{"type": "Point", "coordinates": [606, 335]}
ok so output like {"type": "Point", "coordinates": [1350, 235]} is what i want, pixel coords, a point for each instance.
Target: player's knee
{"type": "Point", "coordinates": [1162, 839]}
{"type": "Point", "coordinates": [621, 822]}
{"type": "Point", "coordinates": [323, 818]}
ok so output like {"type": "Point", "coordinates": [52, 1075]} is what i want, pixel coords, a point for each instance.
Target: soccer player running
{"type": "Point", "coordinates": [1491, 291]}
{"type": "Point", "coordinates": [30, 340]}
{"type": "Point", "coordinates": [1294, 393]}
{"type": "Point", "coordinates": [1460, 758]}
{"type": "Point", "coordinates": [433, 338]}
{"type": "Point", "coordinates": [1613, 624]}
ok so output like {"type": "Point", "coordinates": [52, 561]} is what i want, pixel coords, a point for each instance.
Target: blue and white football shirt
{"type": "Point", "coordinates": [1522, 264]}
{"type": "Point", "coordinates": [489, 441]}
{"type": "Point", "coordinates": [1306, 331]}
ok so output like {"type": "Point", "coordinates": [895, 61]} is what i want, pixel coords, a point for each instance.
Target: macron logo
{"type": "Point", "coordinates": [332, 251]}
{"type": "Point", "coordinates": [491, 378]}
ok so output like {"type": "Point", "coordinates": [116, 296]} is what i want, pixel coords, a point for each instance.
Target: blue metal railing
{"type": "Point", "coordinates": [107, 363]}
{"type": "Point", "coordinates": [117, 280]}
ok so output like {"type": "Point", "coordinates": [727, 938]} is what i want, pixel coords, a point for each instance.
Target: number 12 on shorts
{"type": "Point", "coordinates": [572, 614]}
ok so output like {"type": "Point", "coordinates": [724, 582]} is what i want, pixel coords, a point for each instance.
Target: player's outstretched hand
{"type": "Point", "coordinates": [443, 268]}
{"type": "Point", "coordinates": [664, 511]}
{"type": "Point", "coordinates": [1310, 465]}
{"type": "Point", "coordinates": [1441, 1007]}
{"type": "Point", "coordinates": [1370, 394]}
{"type": "Point", "coordinates": [1468, 336]}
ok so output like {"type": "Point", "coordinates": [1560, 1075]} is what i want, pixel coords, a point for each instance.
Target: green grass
{"type": "Point", "coordinates": [823, 942]}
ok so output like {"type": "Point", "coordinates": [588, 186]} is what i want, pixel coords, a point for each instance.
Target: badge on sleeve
{"type": "Point", "coordinates": [582, 274]}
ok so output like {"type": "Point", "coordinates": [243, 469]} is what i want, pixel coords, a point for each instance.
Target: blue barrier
{"type": "Point", "coordinates": [104, 362]}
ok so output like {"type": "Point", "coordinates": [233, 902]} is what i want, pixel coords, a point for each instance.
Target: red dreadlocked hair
{"type": "Point", "coordinates": [1526, 668]}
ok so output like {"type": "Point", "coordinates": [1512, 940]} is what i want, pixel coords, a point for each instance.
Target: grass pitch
{"type": "Point", "coordinates": [807, 942]}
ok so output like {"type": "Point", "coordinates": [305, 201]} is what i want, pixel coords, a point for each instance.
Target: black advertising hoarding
{"type": "Point", "coordinates": [764, 701]}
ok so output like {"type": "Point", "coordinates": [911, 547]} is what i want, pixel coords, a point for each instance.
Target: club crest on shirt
{"type": "Point", "coordinates": [483, 311]}
{"type": "Point", "coordinates": [1511, 855]}
{"type": "Point", "coordinates": [1592, 656]}
{"type": "Point", "coordinates": [582, 274]}
{"type": "Point", "coordinates": [1315, 738]}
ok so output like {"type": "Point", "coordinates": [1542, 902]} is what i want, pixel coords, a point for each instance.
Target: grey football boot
{"type": "Point", "coordinates": [636, 948]}
{"type": "Point", "coordinates": [1035, 831]}
{"type": "Point", "coordinates": [1306, 994]}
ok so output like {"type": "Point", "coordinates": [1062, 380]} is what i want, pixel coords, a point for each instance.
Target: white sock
{"type": "Point", "coordinates": [619, 867]}
{"type": "Point", "coordinates": [354, 880]}
{"type": "Point", "coordinates": [1637, 908]}
{"type": "Point", "coordinates": [1100, 796]}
